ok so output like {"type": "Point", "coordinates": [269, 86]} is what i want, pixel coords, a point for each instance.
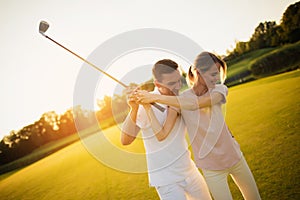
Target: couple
{"type": "Point", "coordinates": [170, 168]}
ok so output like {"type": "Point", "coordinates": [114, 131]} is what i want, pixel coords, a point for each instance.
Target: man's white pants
{"type": "Point", "coordinates": [192, 188]}
{"type": "Point", "coordinates": [242, 176]}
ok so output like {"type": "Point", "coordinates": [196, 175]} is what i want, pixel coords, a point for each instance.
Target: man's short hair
{"type": "Point", "coordinates": [165, 66]}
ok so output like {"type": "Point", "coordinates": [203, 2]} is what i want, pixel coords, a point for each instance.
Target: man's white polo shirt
{"type": "Point", "coordinates": [168, 161]}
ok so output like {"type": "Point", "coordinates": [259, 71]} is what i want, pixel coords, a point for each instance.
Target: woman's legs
{"type": "Point", "coordinates": [218, 184]}
{"type": "Point", "coordinates": [242, 176]}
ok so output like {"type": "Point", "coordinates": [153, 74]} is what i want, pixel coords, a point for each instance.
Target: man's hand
{"type": "Point", "coordinates": [131, 97]}
{"type": "Point", "coordinates": [147, 106]}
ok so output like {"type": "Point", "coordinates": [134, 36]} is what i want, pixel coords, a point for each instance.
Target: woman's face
{"type": "Point", "coordinates": [211, 76]}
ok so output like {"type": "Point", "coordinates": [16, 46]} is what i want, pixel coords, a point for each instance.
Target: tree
{"type": "Point", "coordinates": [290, 23]}
{"type": "Point", "coordinates": [83, 118]}
{"type": "Point", "coordinates": [241, 47]}
{"type": "Point", "coordinates": [66, 123]}
{"type": "Point", "coordinates": [4, 152]}
{"type": "Point", "coordinates": [265, 35]}
{"type": "Point", "coordinates": [50, 121]}
{"type": "Point", "coordinates": [105, 106]}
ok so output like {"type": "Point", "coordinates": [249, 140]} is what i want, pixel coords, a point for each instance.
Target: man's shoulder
{"type": "Point", "coordinates": [187, 92]}
{"type": "Point", "coordinates": [155, 91]}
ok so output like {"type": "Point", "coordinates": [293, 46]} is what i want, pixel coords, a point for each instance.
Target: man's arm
{"type": "Point", "coordinates": [129, 127]}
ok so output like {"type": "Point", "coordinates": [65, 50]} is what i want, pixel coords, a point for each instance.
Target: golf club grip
{"type": "Point", "coordinates": [158, 107]}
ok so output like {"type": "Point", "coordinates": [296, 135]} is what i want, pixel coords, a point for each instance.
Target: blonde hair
{"type": "Point", "coordinates": [203, 62]}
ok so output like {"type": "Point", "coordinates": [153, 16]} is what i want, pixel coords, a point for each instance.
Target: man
{"type": "Point", "coordinates": [170, 168]}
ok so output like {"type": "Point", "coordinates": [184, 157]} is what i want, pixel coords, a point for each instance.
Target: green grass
{"type": "Point", "coordinates": [263, 116]}
{"type": "Point", "coordinates": [262, 63]}
{"type": "Point", "coordinates": [282, 59]}
{"type": "Point", "coordinates": [242, 64]}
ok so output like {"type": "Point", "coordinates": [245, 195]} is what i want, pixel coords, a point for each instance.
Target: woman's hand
{"type": "Point", "coordinates": [145, 97]}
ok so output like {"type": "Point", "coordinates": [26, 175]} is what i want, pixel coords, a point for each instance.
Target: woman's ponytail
{"type": "Point", "coordinates": [190, 77]}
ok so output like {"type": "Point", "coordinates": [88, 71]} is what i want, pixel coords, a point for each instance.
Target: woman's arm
{"type": "Point", "coordinates": [162, 132]}
{"type": "Point", "coordinates": [209, 100]}
{"type": "Point", "coordinates": [187, 103]}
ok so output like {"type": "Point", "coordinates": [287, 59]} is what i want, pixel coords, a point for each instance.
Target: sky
{"type": "Point", "coordinates": [37, 76]}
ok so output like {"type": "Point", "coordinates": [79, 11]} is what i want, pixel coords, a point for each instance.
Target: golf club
{"type": "Point", "coordinates": [43, 27]}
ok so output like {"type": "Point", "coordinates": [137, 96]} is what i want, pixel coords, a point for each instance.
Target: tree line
{"type": "Point", "coordinates": [52, 127]}
{"type": "Point", "coordinates": [269, 34]}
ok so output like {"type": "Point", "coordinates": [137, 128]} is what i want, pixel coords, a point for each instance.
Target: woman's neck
{"type": "Point", "coordinates": [199, 89]}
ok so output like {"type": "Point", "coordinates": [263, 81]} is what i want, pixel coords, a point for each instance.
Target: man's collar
{"type": "Point", "coordinates": [156, 91]}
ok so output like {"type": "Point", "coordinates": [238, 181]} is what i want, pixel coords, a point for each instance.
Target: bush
{"type": "Point", "coordinates": [282, 60]}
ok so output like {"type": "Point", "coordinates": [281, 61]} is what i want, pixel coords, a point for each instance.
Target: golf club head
{"type": "Point", "coordinates": [43, 27]}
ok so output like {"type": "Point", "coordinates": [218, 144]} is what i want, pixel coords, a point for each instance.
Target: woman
{"type": "Point", "coordinates": [216, 151]}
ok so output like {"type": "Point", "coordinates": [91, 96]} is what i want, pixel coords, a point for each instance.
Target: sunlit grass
{"type": "Point", "coordinates": [263, 116]}
{"type": "Point", "coordinates": [72, 173]}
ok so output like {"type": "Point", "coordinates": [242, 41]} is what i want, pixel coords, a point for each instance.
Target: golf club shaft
{"type": "Point", "coordinates": [91, 64]}
{"type": "Point", "coordinates": [97, 68]}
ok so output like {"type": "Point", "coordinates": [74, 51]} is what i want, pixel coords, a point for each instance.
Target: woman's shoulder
{"type": "Point", "coordinates": [221, 86]}
{"type": "Point", "coordinates": [222, 89]}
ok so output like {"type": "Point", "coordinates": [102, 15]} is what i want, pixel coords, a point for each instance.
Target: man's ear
{"type": "Point", "coordinates": [156, 83]}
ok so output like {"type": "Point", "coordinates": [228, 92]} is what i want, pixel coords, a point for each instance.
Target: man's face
{"type": "Point", "coordinates": [170, 83]}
